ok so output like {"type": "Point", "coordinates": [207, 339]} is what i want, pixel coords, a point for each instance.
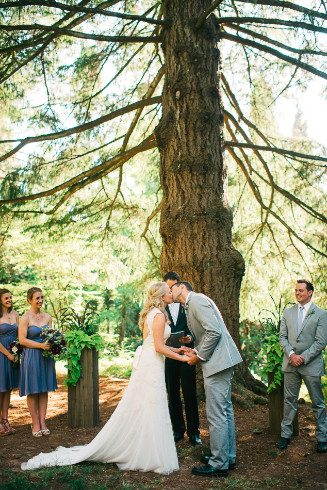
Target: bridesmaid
{"type": "Point", "coordinates": [8, 374]}
{"type": "Point", "coordinates": [37, 373]}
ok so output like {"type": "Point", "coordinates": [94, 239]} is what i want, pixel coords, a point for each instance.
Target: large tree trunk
{"type": "Point", "coordinates": [196, 220]}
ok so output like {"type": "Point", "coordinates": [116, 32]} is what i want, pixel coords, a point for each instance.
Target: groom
{"type": "Point", "coordinates": [303, 337]}
{"type": "Point", "coordinates": [218, 355]}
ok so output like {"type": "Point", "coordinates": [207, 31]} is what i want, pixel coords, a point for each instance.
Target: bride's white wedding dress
{"type": "Point", "coordinates": [138, 435]}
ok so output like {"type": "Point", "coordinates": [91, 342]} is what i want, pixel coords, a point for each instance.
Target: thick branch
{"type": "Point", "coordinates": [47, 40]}
{"type": "Point", "coordinates": [207, 12]}
{"type": "Point", "coordinates": [82, 35]}
{"type": "Point", "coordinates": [239, 111]}
{"type": "Point", "coordinates": [86, 176]}
{"type": "Point", "coordinates": [138, 113]}
{"type": "Point", "coordinates": [257, 195]}
{"type": "Point", "coordinates": [150, 218]}
{"type": "Point", "coordinates": [277, 43]}
{"type": "Point", "coordinates": [86, 10]}
{"type": "Point", "coordinates": [148, 221]}
{"type": "Point", "coordinates": [268, 21]}
{"type": "Point", "coordinates": [308, 209]}
{"type": "Point", "coordinates": [274, 52]}
{"type": "Point", "coordinates": [280, 151]}
{"type": "Point", "coordinates": [287, 5]}
{"type": "Point", "coordinates": [82, 127]}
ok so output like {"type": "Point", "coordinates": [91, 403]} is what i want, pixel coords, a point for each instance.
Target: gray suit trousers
{"type": "Point", "coordinates": [220, 416]}
{"type": "Point", "coordinates": [292, 385]}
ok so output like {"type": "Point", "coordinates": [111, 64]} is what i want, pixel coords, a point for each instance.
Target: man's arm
{"type": "Point", "coordinates": [202, 310]}
{"type": "Point", "coordinates": [283, 337]}
{"type": "Point", "coordinates": [320, 341]}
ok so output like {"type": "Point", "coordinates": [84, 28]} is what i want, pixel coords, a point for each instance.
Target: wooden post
{"type": "Point", "coordinates": [276, 407]}
{"type": "Point", "coordinates": [83, 399]}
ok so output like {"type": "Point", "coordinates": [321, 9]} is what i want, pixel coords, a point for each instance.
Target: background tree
{"type": "Point", "coordinates": [101, 73]}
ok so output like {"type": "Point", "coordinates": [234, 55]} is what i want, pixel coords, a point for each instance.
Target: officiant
{"type": "Point", "coordinates": [181, 374]}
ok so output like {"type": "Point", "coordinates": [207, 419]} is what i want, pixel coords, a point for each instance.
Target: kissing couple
{"type": "Point", "coordinates": [138, 435]}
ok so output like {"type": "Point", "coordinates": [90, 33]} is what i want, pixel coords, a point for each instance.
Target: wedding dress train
{"type": "Point", "coordinates": [138, 435]}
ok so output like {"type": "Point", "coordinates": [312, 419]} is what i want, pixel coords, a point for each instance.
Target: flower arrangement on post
{"type": "Point", "coordinates": [81, 332]}
{"type": "Point", "coordinates": [16, 350]}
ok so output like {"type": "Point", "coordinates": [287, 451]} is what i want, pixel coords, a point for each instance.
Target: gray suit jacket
{"type": "Point", "coordinates": [310, 342]}
{"type": "Point", "coordinates": [215, 344]}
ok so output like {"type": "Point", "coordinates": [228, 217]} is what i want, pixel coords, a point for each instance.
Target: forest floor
{"type": "Point", "coordinates": [259, 464]}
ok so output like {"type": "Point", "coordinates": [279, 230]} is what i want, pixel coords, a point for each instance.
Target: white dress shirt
{"type": "Point", "coordinates": [174, 311]}
{"type": "Point", "coordinates": [305, 310]}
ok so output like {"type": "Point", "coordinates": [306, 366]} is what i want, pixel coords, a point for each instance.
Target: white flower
{"type": "Point", "coordinates": [14, 350]}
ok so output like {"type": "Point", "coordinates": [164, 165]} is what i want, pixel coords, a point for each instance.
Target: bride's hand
{"type": "Point", "coordinates": [184, 358]}
{"type": "Point", "coordinates": [184, 350]}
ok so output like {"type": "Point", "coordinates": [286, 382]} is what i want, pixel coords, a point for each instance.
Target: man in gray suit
{"type": "Point", "coordinates": [303, 337]}
{"type": "Point", "coordinates": [218, 354]}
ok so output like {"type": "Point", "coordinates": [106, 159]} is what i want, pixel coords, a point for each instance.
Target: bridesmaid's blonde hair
{"type": "Point", "coordinates": [31, 291]}
{"type": "Point", "coordinates": [154, 300]}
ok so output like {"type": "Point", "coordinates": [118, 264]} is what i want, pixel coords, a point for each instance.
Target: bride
{"type": "Point", "coordinates": [138, 435]}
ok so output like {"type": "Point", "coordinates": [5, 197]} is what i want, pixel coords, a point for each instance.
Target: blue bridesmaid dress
{"type": "Point", "coordinates": [9, 375]}
{"type": "Point", "coordinates": [37, 373]}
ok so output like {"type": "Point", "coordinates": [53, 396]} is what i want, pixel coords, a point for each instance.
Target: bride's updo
{"type": "Point", "coordinates": [154, 300]}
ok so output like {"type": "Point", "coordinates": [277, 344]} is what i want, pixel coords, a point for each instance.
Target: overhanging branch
{"type": "Point", "coordinates": [81, 35]}
{"type": "Point", "coordinates": [268, 21]}
{"type": "Point", "coordinates": [274, 52]}
{"type": "Point", "coordinates": [80, 128]}
{"type": "Point", "coordinates": [90, 175]}
{"type": "Point", "coordinates": [287, 5]}
{"type": "Point", "coordinates": [280, 151]}
{"type": "Point", "coordinates": [85, 10]}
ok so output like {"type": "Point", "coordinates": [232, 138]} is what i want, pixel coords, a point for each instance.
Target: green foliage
{"type": "Point", "coordinates": [77, 340]}
{"type": "Point", "coordinates": [272, 349]}
{"type": "Point", "coordinates": [87, 321]}
{"type": "Point", "coordinates": [80, 333]}
{"type": "Point", "coordinates": [251, 333]}
{"type": "Point", "coordinates": [274, 353]}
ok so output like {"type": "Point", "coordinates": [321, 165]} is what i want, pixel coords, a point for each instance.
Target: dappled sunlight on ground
{"type": "Point", "coordinates": [259, 463]}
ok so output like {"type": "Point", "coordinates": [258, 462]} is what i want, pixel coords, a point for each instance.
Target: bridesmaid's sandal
{"type": "Point", "coordinates": [3, 430]}
{"type": "Point", "coordinates": [45, 432]}
{"type": "Point", "coordinates": [8, 427]}
{"type": "Point", "coordinates": [37, 433]}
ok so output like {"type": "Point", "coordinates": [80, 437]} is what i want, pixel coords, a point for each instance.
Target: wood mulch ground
{"type": "Point", "coordinates": [259, 463]}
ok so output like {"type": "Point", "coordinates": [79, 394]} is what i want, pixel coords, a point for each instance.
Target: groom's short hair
{"type": "Point", "coordinates": [186, 284]}
{"type": "Point", "coordinates": [308, 284]}
{"type": "Point", "coordinates": [173, 276]}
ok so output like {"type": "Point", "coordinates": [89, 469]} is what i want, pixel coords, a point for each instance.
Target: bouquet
{"type": "Point", "coordinates": [56, 339]}
{"type": "Point", "coordinates": [15, 349]}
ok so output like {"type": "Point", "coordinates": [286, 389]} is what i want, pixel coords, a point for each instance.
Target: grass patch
{"type": "Point", "coordinates": [115, 365]}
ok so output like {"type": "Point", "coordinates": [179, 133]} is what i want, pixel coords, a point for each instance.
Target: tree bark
{"type": "Point", "coordinates": [196, 220]}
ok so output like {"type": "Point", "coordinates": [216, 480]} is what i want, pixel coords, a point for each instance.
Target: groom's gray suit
{"type": "Point", "coordinates": [309, 342]}
{"type": "Point", "coordinates": [218, 354]}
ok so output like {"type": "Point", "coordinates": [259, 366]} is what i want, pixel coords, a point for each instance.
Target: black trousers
{"type": "Point", "coordinates": [181, 374]}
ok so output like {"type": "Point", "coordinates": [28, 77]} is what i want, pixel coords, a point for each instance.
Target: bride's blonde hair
{"type": "Point", "coordinates": [154, 300]}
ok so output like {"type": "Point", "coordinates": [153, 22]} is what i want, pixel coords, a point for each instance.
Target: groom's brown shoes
{"type": "Point", "coordinates": [208, 470]}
